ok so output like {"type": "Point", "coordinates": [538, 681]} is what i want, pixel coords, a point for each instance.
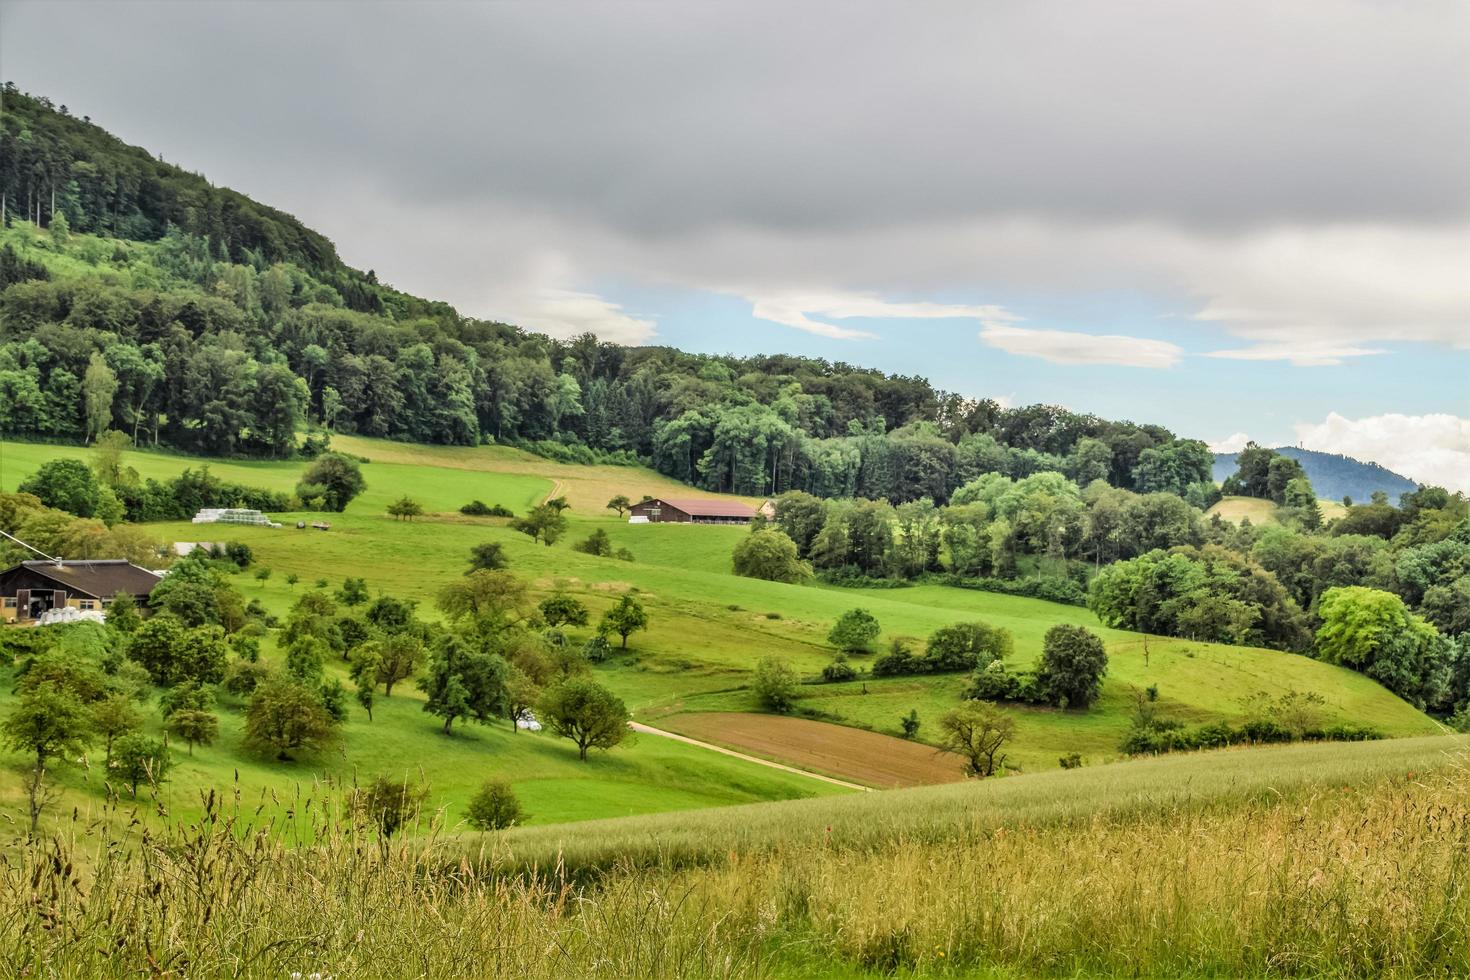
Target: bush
{"type": "Point", "coordinates": [839, 670]}
{"type": "Point", "coordinates": [965, 646]}
{"type": "Point", "coordinates": [909, 723]}
{"type": "Point", "coordinates": [495, 807]}
{"type": "Point", "coordinates": [770, 555]}
{"type": "Point", "coordinates": [1071, 760]}
{"type": "Point", "coordinates": [478, 508]}
{"type": "Point", "coordinates": [774, 684]}
{"type": "Point", "coordinates": [597, 543]}
{"type": "Point", "coordinates": [854, 631]}
{"type": "Point", "coordinates": [898, 660]}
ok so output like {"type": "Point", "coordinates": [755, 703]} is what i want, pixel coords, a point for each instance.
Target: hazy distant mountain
{"type": "Point", "coordinates": [1334, 476]}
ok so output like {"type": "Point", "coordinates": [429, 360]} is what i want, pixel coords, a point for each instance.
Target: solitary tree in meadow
{"type": "Point", "coordinates": [488, 556]}
{"type": "Point", "coordinates": [978, 731]}
{"type": "Point", "coordinates": [774, 684]}
{"type": "Point", "coordinates": [405, 508]}
{"type": "Point", "coordinates": [620, 503]}
{"type": "Point", "coordinates": [625, 618]}
{"type": "Point", "coordinates": [854, 632]}
{"type": "Point", "coordinates": [585, 712]}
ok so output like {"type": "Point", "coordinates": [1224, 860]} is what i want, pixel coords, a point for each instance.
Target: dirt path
{"type": "Point", "coordinates": [649, 730]}
{"type": "Point", "coordinates": [556, 488]}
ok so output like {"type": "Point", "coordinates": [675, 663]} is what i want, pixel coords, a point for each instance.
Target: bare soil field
{"type": "Point", "coordinates": [850, 753]}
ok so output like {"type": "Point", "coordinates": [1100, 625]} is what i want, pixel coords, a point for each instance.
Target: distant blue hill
{"type": "Point", "coordinates": [1334, 476]}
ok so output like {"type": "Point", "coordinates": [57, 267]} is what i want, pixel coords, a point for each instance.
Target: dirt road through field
{"type": "Point", "coordinates": [650, 730]}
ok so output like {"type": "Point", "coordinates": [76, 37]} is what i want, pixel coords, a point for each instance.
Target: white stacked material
{"type": "Point", "coordinates": [66, 614]}
{"type": "Point", "coordinates": [528, 722]}
{"type": "Point", "coordinates": [637, 519]}
{"type": "Point", "coordinates": [233, 515]}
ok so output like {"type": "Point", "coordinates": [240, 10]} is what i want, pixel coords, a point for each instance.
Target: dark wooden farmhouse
{"type": "Point", "coordinates": [692, 511]}
{"type": "Point", "coordinates": [31, 588]}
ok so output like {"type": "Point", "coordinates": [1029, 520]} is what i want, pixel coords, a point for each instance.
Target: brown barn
{"type": "Point", "coordinates": [31, 588]}
{"type": "Point", "coordinates": [693, 511]}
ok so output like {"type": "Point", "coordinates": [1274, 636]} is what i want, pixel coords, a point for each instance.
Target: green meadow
{"type": "Point", "coordinates": [708, 629]}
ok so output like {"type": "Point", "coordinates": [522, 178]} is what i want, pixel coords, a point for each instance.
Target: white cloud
{"type": "Point", "coordinates": [796, 309]}
{"type": "Point", "coordinates": [1302, 354]}
{"type": "Point", "coordinates": [1429, 448]}
{"type": "Point", "coordinates": [567, 313]}
{"type": "Point", "coordinates": [1232, 443]}
{"type": "Point", "coordinates": [1066, 347]}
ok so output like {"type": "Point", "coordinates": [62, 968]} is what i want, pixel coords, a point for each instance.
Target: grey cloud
{"type": "Point", "coordinates": [656, 119]}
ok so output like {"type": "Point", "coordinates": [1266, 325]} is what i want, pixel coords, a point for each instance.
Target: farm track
{"type": "Point", "coordinates": [650, 730]}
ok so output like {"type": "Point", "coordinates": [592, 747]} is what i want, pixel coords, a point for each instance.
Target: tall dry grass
{"type": "Point", "coordinates": [1362, 880]}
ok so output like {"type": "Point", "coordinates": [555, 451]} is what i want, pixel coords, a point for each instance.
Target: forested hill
{"type": "Point", "coordinates": [1333, 476]}
{"type": "Point", "coordinates": [137, 296]}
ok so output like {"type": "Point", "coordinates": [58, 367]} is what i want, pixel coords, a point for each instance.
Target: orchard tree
{"type": "Point", "coordinates": [48, 722]}
{"type": "Point", "coordinates": [495, 807]}
{"type": "Point", "coordinates": [978, 731]}
{"type": "Point", "coordinates": [464, 682]}
{"type": "Point", "coordinates": [139, 759]}
{"type": "Point", "coordinates": [194, 727]}
{"type": "Point", "coordinates": [585, 712]}
{"type": "Point", "coordinates": [854, 632]}
{"type": "Point", "coordinates": [399, 657]}
{"type": "Point", "coordinates": [388, 803]}
{"type": "Point", "coordinates": [285, 716]}
{"type": "Point", "coordinates": [114, 715]}
{"type": "Point", "coordinates": [354, 592]}
{"type": "Point", "coordinates": [496, 596]}
{"type": "Point", "coordinates": [365, 667]}
{"type": "Point", "coordinates": [1073, 662]}
{"type": "Point", "coordinates": [625, 618]}
{"type": "Point", "coordinates": [489, 557]}
{"type": "Point", "coordinates": [545, 523]}
{"type": "Point", "coordinates": [620, 503]}
{"type": "Point", "coordinates": [405, 508]}
{"type": "Point", "coordinates": [562, 610]}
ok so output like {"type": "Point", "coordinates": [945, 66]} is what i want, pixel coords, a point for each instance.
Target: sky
{"type": "Point", "coordinates": [1244, 221]}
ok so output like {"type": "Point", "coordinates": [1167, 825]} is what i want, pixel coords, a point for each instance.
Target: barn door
{"type": "Point", "coordinates": [58, 599]}
{"type": "Point", "coordinates": [23, 604]}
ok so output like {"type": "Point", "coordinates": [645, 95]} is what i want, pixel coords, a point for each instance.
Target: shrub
{"type": "Point", "coordinates": [597, 543]}
{"type": "Point", "coordinates": [898, 660]}
{"type": "Point", "coordinates": [839, 670]}
{"type": "Point", "coordinates": [478, 508]}
{"type": "Point", "coordinates": [388, 803]}
{"type": "Point", "coordinates": [965, 646]}
{"type": "Point", "coordinates": [774, 684]}
{"type": "Point", "coordinates": [1071, 760]}
{"type": "Point", "coordinates": [770, 555]}
{"type": "Point", "coordinates": [909, 723]}
{"type": "Point", "coordinates": [495, 807]}
{"type": "Point", "coordinates": [854, 631]}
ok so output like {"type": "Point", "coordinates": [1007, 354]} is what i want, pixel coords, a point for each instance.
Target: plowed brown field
{"type": "Point", "coordinates": [850, 753]}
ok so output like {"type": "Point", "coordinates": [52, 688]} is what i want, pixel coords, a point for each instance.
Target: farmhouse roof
{"type": "Point", "coordinates": [708, 507]}
{"type": "Point", "coordinates": [100, 579]}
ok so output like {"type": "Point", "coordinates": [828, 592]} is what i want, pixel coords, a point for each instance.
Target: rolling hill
{"type": "Point", "coordinates": [1334, 476]}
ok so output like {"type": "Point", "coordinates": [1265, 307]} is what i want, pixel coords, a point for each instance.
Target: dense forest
{"type": "Point", "coordinates": [130, 271]}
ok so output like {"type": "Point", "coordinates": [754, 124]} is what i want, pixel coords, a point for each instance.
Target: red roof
{"type": "Point", "coordinates": [706, 507]}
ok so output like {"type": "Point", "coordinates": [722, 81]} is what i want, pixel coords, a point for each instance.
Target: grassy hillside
{"type": "Point", "coordinates": [1311, 861]}
{"type": "Point", "coordinates": [708, 629]}
{"type": "Point", "coordinates": [1263, 512]}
